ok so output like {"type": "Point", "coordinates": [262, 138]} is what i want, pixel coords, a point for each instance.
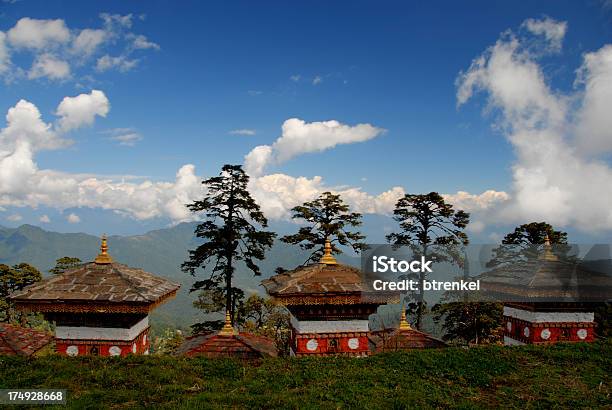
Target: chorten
{"type": "Point", "coordinates": [547, 299]}
{"type": "Point", "coordinates": [99, 308]}
{"type": "Point", "coordinates": [329, 305]}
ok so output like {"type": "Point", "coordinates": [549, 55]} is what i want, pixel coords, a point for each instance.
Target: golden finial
{"type": "Point", "coordinates": [328, 258]}
{"type": "Point", "coordinates": [548, 254]}
{"type": "Point", "coordinates": [404, 325]}
{"type": "Point", "coordinates": [103, 257]}
{"type": "Point", "coordinates": [228, 329]}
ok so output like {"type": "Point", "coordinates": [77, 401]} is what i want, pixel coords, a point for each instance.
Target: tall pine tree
{"type": "Point", "coordinates": [232, 232]}
{"type": "Point", "coordinates": [431, 228]}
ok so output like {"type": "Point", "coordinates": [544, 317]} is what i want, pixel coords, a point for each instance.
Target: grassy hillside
{"type": "Point", "coordinates": [569, 376]}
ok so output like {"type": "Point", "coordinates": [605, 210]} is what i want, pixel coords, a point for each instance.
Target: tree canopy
{"type": "Point", "coordinates": [12, 279]}
{"type": "Point", "coordinates": [64, 263]}
{"type": "Point", "coordinates": [326, 217]}
{"type": "Point", "coordinates": [431, 228]}
{"type": "Point", "coordinates": [232, 232]}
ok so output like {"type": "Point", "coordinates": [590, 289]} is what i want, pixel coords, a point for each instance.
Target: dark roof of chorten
{"type": "Point", "coordinates": [16, 340]}
{"type": "Point", "coordinates": [101, 284]}
{"type": "Point", "coordinates": [340, 284]}
{"type": "Point", "coordinates": [402, 338]}
{"type": "Point", "coordinates": [228, 342]}
{"type": "Point", "coordinates": [547, 278]}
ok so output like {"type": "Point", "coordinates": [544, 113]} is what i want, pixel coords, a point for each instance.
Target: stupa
{"type": "Point", "coordinates": [99, 308]}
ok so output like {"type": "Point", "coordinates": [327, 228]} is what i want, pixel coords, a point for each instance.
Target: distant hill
{"type": "Point", "coordinates": [160, 252]}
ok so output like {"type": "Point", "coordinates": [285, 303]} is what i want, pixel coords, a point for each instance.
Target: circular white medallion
{"type": "Point", "coordinates": [72, 350]}
{"type": "Point", "coordinates": [134, 348]}
{"type": "Point", "coordinates": [509, 326]}
{"type": "Point", "coordinates": [545, 334]}
{"type": "Point", "coordinates": [526, 332]}
{"type": "Point", "coordinates": [582, 334]}
{"type": "Point", "coordinates": [353, 343]}
{"type": "Point", "coordinates": [114, 351]}
{"type": "Point", "coordinates": [312, 345]}
{"type": "Point", "coordinates": [144, 340]}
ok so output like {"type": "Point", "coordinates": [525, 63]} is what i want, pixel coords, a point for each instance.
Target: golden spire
{"type": "Point", "coordinates": [103, 257]}
{"type": "Point", "coordinates": [548, 254]}
{"type": "Point", "coordinates": [328, 258]}
{"type": "Point", "coordinates": [228, 329]}
{"type": "Point", "coordinates": [404, 325]}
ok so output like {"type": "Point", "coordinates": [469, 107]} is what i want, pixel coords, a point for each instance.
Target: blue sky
{"type": "Point", "coordinates": [210, 68]}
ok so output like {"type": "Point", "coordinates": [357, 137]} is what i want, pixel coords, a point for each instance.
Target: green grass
{"type": "Point", "coordinates": [569, 376]}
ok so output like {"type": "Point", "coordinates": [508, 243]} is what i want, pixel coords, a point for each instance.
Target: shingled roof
{"type": "Point", "coordinates": [228, 342]}
{"type": "Point", "coordinates": [318, 282]}
{"type": "Point", "coordinates": [16, 340]}
{"type": "Point", "coordinates": [102, 284]}
{"type": "Point", "coordinates": [402, 338]}
{"type": "Point", "coordinates": [547, 279]}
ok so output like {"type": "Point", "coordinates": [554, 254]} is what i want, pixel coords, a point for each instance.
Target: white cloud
{"type": "Point", "coordinates": [73, 218]}
{"type": "Point", "coordinates": [560, 174]}
{"type": "Point", "coordinates": [88, 41]}
{"type": "Point", "coordinates": [552, 30]}
{"type": "Point", "coordinates": [317, 80]}
{"type": "Point", "coordinates": [44, 219]}
{"type": "Point", "coordinates": [14, 218]}
{"type": "Point", "coordinates": [140, 42]}
{"type": "Point", "coordinates": [48, 65]}
{"type": "Point", "coordinates": [127, 140]}
{"type": "Point", "coordinates": [243, 131]}
{"type": "Point", "coordinates": [23, 184]}
{"type": "Point", "coordinates": [122, 63]}
{"type": "Point", "coordinates": [75, 112]}
{"type": "Point", "coordinates": [5, 59]}
{"type": "Point", "coordinates": [60, 53]}
{"type": "Point", "coordinates": [299, 137]}
{"type": "Point", "coordinates": [295, 78]}
{"type": "Point", "coordinates": [38, 34]}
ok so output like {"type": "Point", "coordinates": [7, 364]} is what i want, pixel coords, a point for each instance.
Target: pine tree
{"type": "Point", "coordinates": [12, 279]}
{"type": "Point", "coordinates": [327, 217]}
{"type": "Point", "coordinates": [523, 243]}
{"type": "Point", "coordinates": [64, 263]}
{"type": "Point", "coordinates": [232, 232]}
{"type": "Point", "coordinates": [431, 228]}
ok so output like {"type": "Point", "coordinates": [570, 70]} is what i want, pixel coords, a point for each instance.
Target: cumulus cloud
{"type": "Point", "coordinates": [38, 34]}
{"type": "Point", "coordinates": [121, 63]}
{"type": "Point", "coordinates": [560, 174]}
{"type": "Point", "coordinates": [299, 137]}
{"type": "Point", "coordinates": [14, 218]}
{"type": "Point", "coordinates": [73, 218]}
{"type": "Point", "coordinates": [88, 40]}
{"type": "Point", "coordinates": [75, 112]}
{"type": "Point", "coordinates": [49, 66]}
{"type": "Point", "coordinates": [59, 52]}
{"type": "Point", "coordinates": [552, 30]}
{"type": "Point", "coordinates": [24, 184]}
{"type": "Point", "coordinates": [44, 219]}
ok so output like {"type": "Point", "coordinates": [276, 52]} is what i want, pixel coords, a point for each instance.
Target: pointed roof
{"type": "Point", "coordinates": [403, 337]}
{"type": "Point", "coordinates": [102, 285]}
{"type": "Point", "coordinates": [325, 282]}
{"type": "Point", "coordinates": [17, 340]}
{"type": "Point", "coordinates": [240, 345]}
{"type": "Point", "coordinates": [547, 278]}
